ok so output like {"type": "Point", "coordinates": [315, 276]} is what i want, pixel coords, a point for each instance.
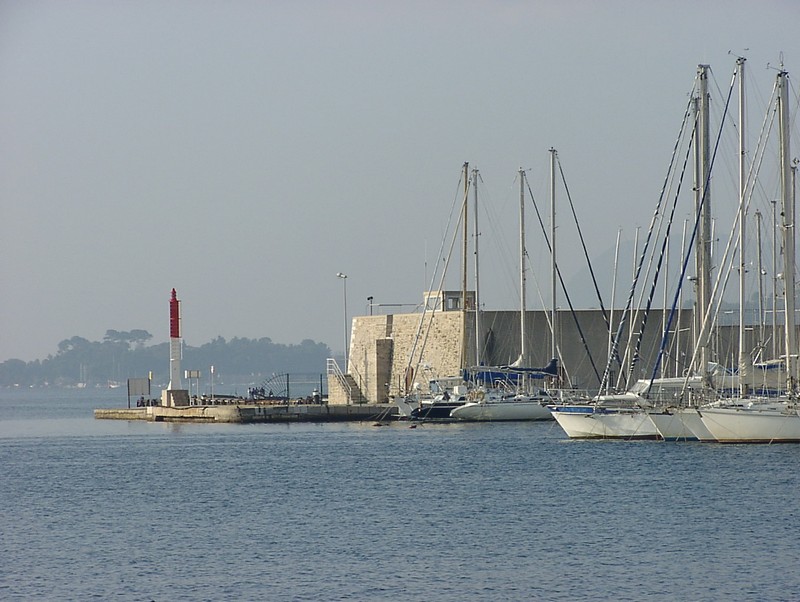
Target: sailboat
{"type": "Point", "coordinates": [446, 393]}
{"type": "Point", "coordinates": [507, 395]}
{"type": "Point", "coordinates": [504, 392]}
{"type": "Point", "coordinates": [759, 419]}
{"type": "Point", "coordinates": [681, 422]}
{"type": "Point", "coordinates": [609, 415]}
{"type": "Point", "coordinates": [641, 412]}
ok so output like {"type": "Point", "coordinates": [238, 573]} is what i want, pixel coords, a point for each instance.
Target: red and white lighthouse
{"type": "Point", "coordinates": [174, 343]}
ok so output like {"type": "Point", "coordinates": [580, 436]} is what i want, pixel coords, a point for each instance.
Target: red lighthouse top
{"type": "Point", "coordinates": [174, 316]}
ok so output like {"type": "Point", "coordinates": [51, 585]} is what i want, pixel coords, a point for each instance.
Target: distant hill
{"type": "Point", "coordinates": [125, 354]}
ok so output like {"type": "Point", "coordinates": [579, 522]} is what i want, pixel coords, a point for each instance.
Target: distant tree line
{"type": "Point", "coordinates": [124, 354]}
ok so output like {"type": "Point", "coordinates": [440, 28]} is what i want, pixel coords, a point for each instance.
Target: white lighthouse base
{"type": "Point", "coordinates": [173, 398]}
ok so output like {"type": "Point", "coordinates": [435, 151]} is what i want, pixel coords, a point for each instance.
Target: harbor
{"type": "Point", "coordinates": [674, 373]}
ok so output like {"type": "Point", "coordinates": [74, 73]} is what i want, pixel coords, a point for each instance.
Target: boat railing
{"type": "Point", "coordinates": [570, 395]}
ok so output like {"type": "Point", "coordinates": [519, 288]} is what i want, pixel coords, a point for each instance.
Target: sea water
{"type": "Point", "coordinates": [102, 510]}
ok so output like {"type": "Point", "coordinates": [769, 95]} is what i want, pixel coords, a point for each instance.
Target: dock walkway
{"type": "Point", "coordinates": [252, 413]}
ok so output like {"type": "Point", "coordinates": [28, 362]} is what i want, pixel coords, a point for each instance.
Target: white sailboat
{"type": "Point", "coordinates": [733, 389]}
{"type": "Point", "coordinates": [613, 416]}
{"type": "Point", "coordinates": [492, 406]}
{"type": "Point", "coordinates": [644, 411]}
{"type": "Point", "coordinates": [759, 419]}
{"type": "Point", "coordinates": [500, 402]}
{"type": "Point", "coordinates": [616, 416]}
{"type": "Point", "coordinates": [679, 423]}
{"type": "Point", "coordinates": [682, 422]}
{"type": "Point", "coordinates": [444, 393]}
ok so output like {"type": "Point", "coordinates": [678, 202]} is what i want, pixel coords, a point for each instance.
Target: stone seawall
{"type": "Point", "coordinates": [252, 413]}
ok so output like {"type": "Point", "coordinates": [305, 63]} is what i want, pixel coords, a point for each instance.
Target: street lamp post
{"type": "Point", "coordinates": [344, 293]}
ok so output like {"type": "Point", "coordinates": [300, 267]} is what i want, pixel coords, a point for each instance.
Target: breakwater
{"type": "Point", "coordinates": [252, 413]}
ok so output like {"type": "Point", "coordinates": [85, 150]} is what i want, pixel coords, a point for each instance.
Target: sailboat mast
{"type": "Point", "coordinates": [522, 350]}
{"type": "Point", "coordinates": [554, 264]}
{"type": "Point", "coordinates": [613, 294]}
{"type": "Point", "coordinates": [774, 281]}
{"type": "Point", "coordinates": [743, 357]}
{"type": "Point", "coordinates": [679, 362]}
{"type": "Point", "coordinates": [790, 337]}
{"type": "Point", "coordinates": [760, 281]}
{"type": "Point", "coordinates": [464, 219]}
{"type": "Point", "coordinates": [478, 336]}
{"type": "Point", "coordinates": [703, 207]}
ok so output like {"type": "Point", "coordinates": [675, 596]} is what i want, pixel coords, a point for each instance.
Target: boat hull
{"type": "Point", "coordinates": [753, 425]}
{"type": "Point", "coordinates": [502, 410]}
{"type": "Point", "coordinates": [680, 424]}
{"type": "Point", "coordinates": [589, 422]}
{"type": "Point", "coordinates": [437, 411]}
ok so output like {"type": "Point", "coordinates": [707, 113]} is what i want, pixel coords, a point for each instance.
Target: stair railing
{"type": "Point", "coordinates": [334, 370]}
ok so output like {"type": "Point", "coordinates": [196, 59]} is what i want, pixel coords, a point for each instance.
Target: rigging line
{"type": "Point", "coordinates": [456, 198]}
{"type": "Point", "coordinates": [583, 244]}
{"type": "Point", "coordinates": [793, 117]}
{"type": "Point", "coordinates": [665, 241]}
{"type": "Point", "coordinates": [651, 258]}
{"type": "Point", "coordinates": [658, 232]}
{"type": "Point", "coordinates": [753, 181]}
{"type": "Point", "coordinates": [632, 291]}
{"type": "Point", "coordinates": [497, 241]}
{"type": "Point", "coordinates": [564, 289]}
{"type": "Point", "coordinates": [635, 355]}
{"type": "Point", "coordinates": [706, 184]}
{"type": "Point", "coordinates": [727, 258]}
{"type": "Point", "coordinates": [750, 188]}
{"type": "Point", "coordinates": [539, 294]}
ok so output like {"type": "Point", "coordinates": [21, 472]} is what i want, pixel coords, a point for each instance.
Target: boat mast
{"type": "Point", "coordinates": [464, 218]}
{"type": "Point", "coordinates": [703, 207]}
{"type": "Point", "coordinates": [553, 266]}
{"type": "Point", "coordinates": [787, 209]}
{"type": "Point", "coordinates": [613, 294]}
{"type": "Point", "coordinates": [665, 300]}
{"type": "Point", "coordinates": [774, 281]}
{"type": "Point", "coordinates": [522, 305]}
{"type": "Point", "coordinates": [478, 336]}
{"type": "Point", "coordinates": [761, 319]}
{"type": "Point", "coordinates": [743, 356]}
{"type": "Point", "coordinates": [679, 359]}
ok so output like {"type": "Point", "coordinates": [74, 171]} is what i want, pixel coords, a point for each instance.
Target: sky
{"type": "Point", "coordinates": [245, 152]}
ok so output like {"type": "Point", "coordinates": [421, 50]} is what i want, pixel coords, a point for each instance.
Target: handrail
{"type": "Point", "coordinates": [333, 369]}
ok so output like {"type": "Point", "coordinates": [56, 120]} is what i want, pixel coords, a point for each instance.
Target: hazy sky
{"type": "Point", "coordinates": [244, 152]}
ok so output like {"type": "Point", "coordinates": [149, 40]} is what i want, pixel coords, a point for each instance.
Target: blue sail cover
{"type": "Point", "coordinates": [509, 374]}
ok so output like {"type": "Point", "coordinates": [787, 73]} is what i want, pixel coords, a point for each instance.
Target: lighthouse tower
{"type": "Point", "coordinates": [175, 394]}
{"type": "Point", "coordinates": [174, 342]}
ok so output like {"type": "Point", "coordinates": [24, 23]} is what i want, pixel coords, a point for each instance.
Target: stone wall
{"type": "Point", "coordinates": [390, 350]}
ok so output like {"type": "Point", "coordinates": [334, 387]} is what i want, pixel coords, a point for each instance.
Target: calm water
{"type": "Point", "coordinates": [136, 511]}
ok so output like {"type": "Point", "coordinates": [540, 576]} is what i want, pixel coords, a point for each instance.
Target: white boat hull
{"type": "Point", "coordinates": [502, 410]}
{"type": "Point", "coordinates": [680, 424]}
{"type": "Point", "coordinates": [772, 423]}
{"type": "Point", "coordinates": [586, 422]}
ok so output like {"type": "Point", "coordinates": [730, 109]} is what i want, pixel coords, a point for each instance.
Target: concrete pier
{"type": "Point", "coordinates": [252, 413]}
